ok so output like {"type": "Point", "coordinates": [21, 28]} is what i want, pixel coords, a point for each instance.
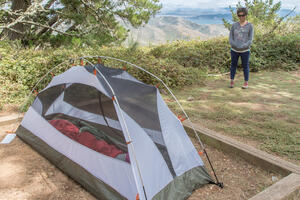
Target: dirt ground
{"type": "Point", "coordinates": [27, 175]}
{"type": "Point", "coordinates": [241, 179]}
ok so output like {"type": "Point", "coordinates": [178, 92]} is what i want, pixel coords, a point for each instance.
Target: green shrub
{"type": "Point", "coordinates": [268, 52]}
{"type": "Point", "coordinates": [177, 64]}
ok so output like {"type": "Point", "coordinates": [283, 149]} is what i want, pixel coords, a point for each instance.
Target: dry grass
{"type": "Point", "coordinates": [267, 115]}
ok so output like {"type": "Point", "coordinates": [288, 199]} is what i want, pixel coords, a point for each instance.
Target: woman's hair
{"type": "Point", "coordinates": [242, 9]}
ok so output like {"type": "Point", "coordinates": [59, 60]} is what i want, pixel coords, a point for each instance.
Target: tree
{"type": "Point", "coordinates": [263, 14]}
{"type": "Point", "coordinates": [17, 5]}
{"type": "Point", "coordinates": [97, 21]}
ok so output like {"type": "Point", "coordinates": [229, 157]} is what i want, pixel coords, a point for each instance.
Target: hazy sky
{"type": "Point", "coordinates": [222, 3]}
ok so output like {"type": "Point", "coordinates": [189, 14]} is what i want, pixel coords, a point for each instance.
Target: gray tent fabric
{"type": "Point", "coordinates": [183, 186]}
{"type": "Point", "coordinates": [114, 135]}
{"type": "Point", "coordinates": [138, 100]}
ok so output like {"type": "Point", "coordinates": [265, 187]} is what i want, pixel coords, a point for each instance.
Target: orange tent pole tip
{"type": "Point", "coordinates": [81, 62]}
{"type": "Point", "coordinates": [9, 131]}
{"type": "Point", "coordinates": [200, 153]}
{"type": "Point", "coordinates": [128, 142]}
{"type": "Point", "coordinates": [157, 85]}
{"type": "Point", "coordinates": [182, 119]}
{"type": "Point", "coordinates": [35, 92]}
{"type": "Point", "coordinates": [113, 98]}
{"type": "Point", "coordinates": [137, 196]}
{"type": "Point", "coordinates": [95, 71]}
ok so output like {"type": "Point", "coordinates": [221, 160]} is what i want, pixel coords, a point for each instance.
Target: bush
{"type": "Point", "coordinates": [268, 52]}
{"type": "Point", "coordinates": [177, 64]}
{"type": "Point", "coordinates": [273, 52]}
{"type": "Point", "coordinates": [22, 69]}
{"type": "Point", "coordinates": [210, 55]}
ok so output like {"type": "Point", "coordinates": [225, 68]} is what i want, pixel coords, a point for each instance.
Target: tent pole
{"type": "Point", "coordinates": [187, 117]}
{"type": "Point", "coordinates": [107, 57]}
{"type": "Point", "coordinates": [30, 93]}
{"type": "Point", "coordinates": [123, 119]}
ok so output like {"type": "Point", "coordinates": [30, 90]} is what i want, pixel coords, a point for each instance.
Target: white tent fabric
{"type": "Point", "coordinates": [181, 150]}
{"type": "Point", "coordinates": [103, 167]}
{"type": "Point", "coordinates": [154, 171]}
{"type": "Point", "coordinates": [126, 76]}
{"type": "Point", "coordinates": [37, 105]}
{"type": "Point", "coordinates": [77, 74]}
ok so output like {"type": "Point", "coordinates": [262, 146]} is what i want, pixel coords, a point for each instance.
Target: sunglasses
{"type": "Point", "coordinates": [241, 15]}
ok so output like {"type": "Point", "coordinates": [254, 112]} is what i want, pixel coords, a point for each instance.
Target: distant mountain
{"type": "Point", "coordinates": [207, 16]}
{"type": "Point", "coordinates": [180, 23]}
{"type": "Point", "coordinates": [187, 11]}
{"type": "Point", "coordinates": [169, 28]}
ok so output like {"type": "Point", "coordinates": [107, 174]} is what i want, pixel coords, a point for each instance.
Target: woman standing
{"type": "Point", "coordinates": [240, 39]}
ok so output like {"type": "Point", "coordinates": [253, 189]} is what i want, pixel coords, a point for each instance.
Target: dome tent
{"type": "Point", "coordinates": [114, 135]}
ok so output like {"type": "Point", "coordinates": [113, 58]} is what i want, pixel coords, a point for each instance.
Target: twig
{"type": "Point", "coordinates": [49, 4]}
{"type": "Point", "coordinates": [49, 27]}
{"type": "Point", "coordinates": [3, 3]}
{"type": "Point", "coordinates": [281, 19]}
{"type": "Point", "coordinates": [14, 30]}
{"type": "Point", "coordinates": [218, 74]}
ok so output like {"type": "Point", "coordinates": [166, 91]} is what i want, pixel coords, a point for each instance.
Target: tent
{"type": "Point", "coordinates": [114, 135]}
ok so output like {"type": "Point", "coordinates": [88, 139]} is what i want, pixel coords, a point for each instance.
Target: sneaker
{"type": "Point", "coordinates": [245, 86]}
{"type": "Point", "coordinates": [231, 84]}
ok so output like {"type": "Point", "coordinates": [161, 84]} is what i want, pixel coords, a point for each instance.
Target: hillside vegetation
{"type": "Point", "coordinates": [178, 63]}
{"type": "Point", "coordinates": [163, 29]}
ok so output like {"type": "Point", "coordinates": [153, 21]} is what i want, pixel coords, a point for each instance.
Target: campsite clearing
{"type": "Point", "coordinates": [28, 175]}
{"type": "Point", "coordinates": [266, 115]}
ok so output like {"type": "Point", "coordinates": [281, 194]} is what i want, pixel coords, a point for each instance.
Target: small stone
{"type": "Point", "coordinates": [190, 98]}
{"type": "Point", "coordinates": [274, 178]}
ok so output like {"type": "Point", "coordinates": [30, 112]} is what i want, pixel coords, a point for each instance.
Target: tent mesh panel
{"type": "Point", "coordinates": [89, 100]}
{"type": "Point", "coordinates": [139, 101]}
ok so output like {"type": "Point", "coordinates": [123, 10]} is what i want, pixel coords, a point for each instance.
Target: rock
{"type": "Point", "coordinates": [38, 47]}
{"type": "Point", "coordinates": [190, 98]}
{"type": "Point", "coordinates": [274, 178]}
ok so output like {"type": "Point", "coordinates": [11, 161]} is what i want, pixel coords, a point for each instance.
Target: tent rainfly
{"type": "Point", "coordinates": [114, 135]}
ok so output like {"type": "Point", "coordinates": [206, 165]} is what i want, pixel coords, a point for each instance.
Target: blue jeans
{"type": "Point", "coordinates": [245, 62]}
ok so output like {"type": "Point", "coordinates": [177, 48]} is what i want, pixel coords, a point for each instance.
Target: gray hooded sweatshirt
{"type": "Point", "coordinates": [240, 37]}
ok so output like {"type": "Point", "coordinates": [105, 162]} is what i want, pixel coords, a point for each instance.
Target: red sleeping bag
{"type": "Point", "coordinates": [85, 138]}
{"type": "Point", "coordinates": [101, 146]}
